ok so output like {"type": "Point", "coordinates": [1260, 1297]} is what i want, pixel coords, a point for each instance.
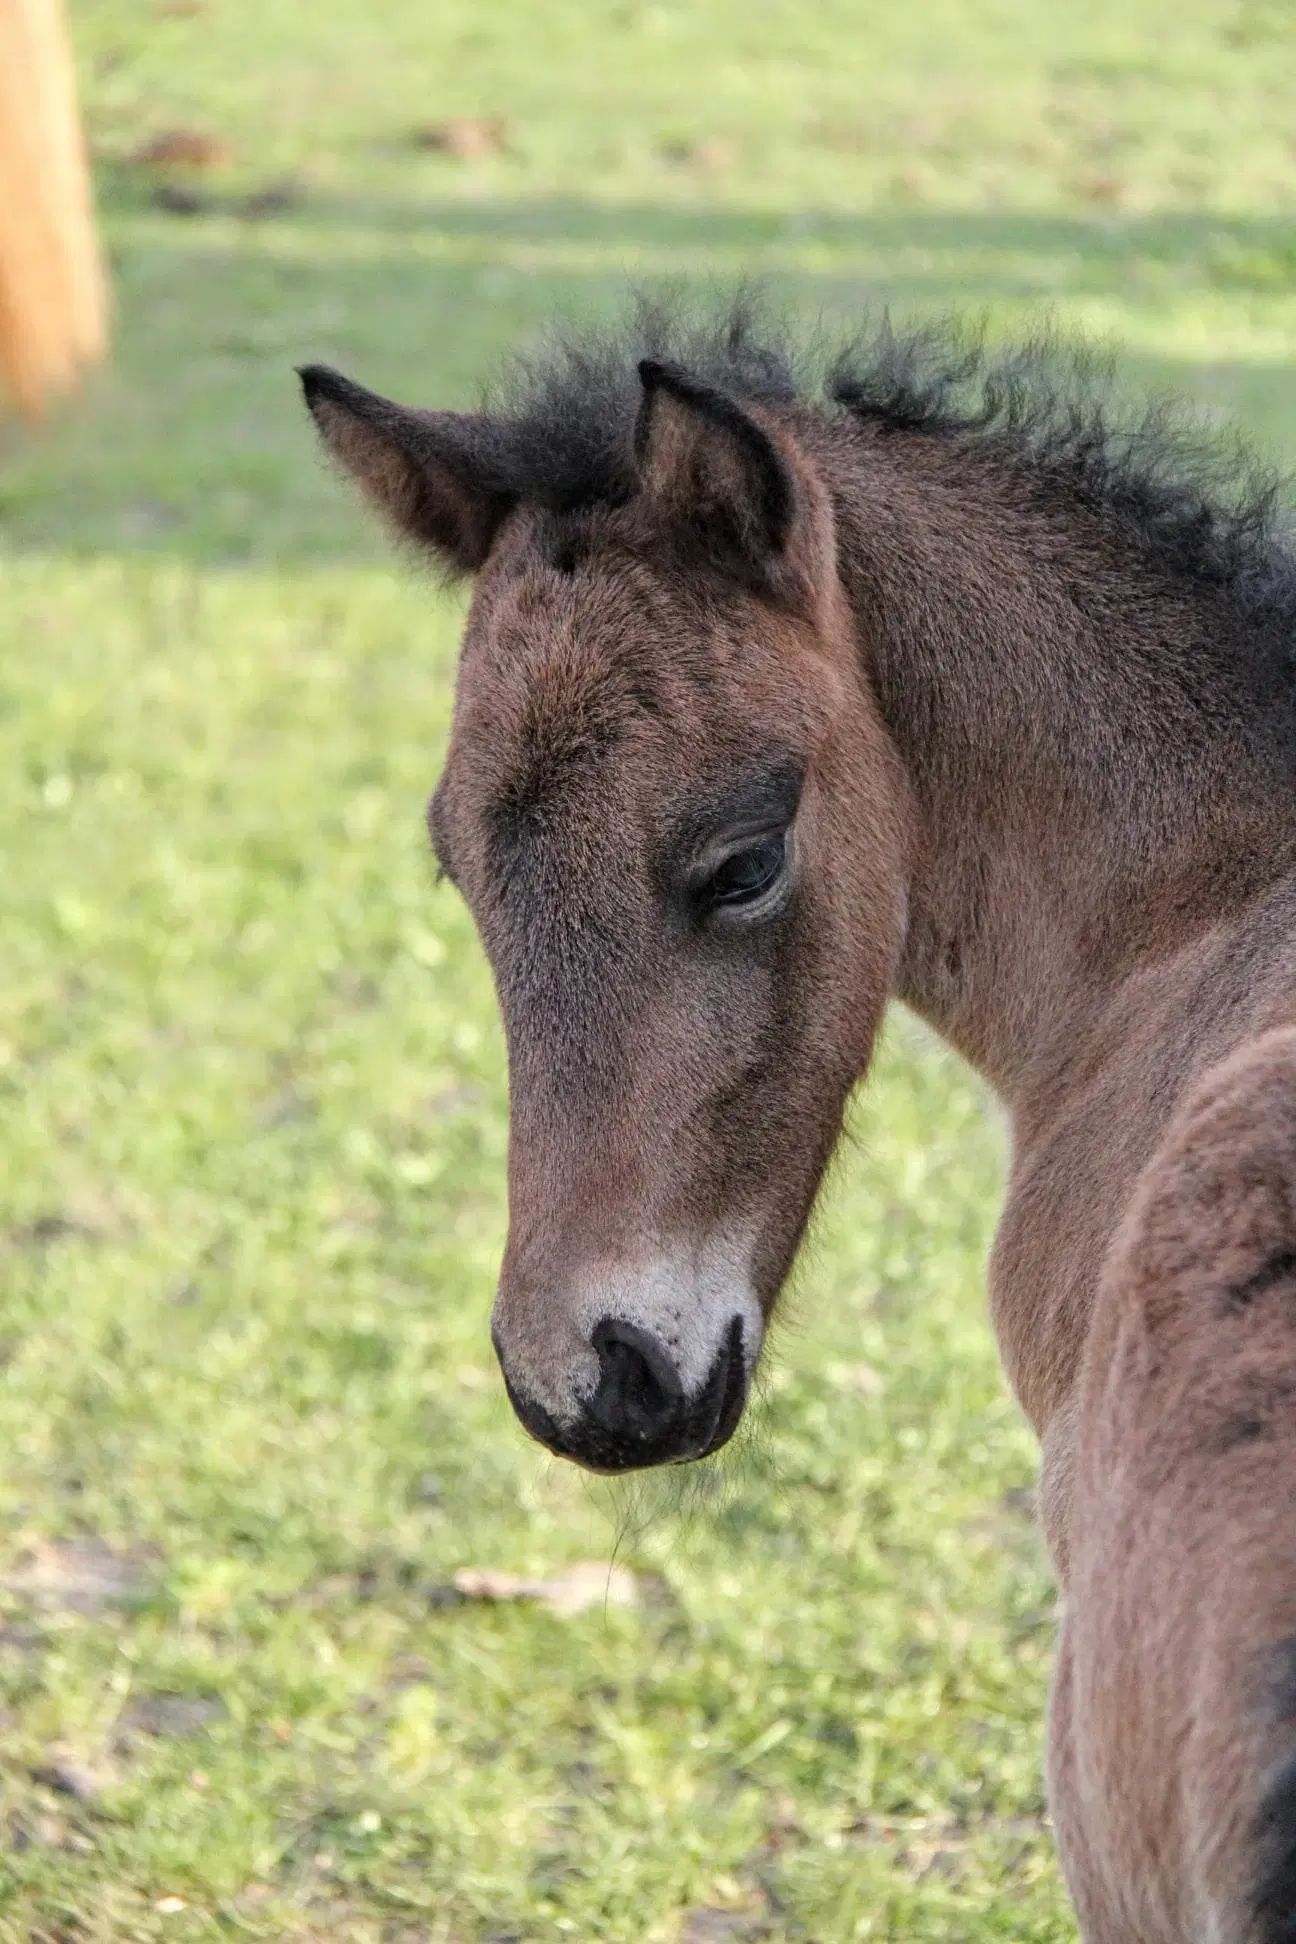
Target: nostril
{"type": "Point", "coordinates": [639, 1390]}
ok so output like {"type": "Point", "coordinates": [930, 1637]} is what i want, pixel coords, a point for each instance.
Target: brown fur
{"type": "Point", "coordinates": [1043, 718]}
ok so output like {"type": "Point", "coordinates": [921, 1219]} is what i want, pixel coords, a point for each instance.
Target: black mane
{"type": "Point", "coordinates": [1199, 507]}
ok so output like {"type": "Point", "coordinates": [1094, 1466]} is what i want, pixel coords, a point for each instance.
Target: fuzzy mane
{"type": "Point", "coordinates": [1199, 507]}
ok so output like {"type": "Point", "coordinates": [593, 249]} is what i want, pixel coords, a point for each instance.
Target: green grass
{"type": "Point", "coordinates": [252, 1114]}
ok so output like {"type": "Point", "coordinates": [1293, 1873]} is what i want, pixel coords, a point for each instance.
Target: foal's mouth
{"type": "Point", "coordinates": [638, 1416]}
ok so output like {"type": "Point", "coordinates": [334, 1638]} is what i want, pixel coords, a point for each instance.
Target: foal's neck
{"type": "Point", "coordinates": [1092, 785]}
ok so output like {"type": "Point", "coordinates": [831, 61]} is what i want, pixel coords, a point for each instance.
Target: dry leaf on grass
{"type": "Point", "coordinates": [1102, 189]}
{"type": "Point", "coordinates": [78, 1576]}
{"type": "Point", "coordinates": [468, 138]}
{"type": "Point", "coordinates": [181, 148]}
{"type": "Point", "coordinates": [589, 1583]}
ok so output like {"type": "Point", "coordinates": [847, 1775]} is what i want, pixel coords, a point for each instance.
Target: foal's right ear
{"type": "Point", "coordinates": [418, 468]}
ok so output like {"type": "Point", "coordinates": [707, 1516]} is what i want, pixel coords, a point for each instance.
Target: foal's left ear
{"type": "Point", "coordinates": [714, 470]}
{"type": "Point", "coordinates": [422, 470]}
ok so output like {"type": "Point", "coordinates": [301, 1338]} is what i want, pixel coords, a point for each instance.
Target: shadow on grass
{"type": "Point", "coordinates": [194, 443]}
{"type": "Point", "coordinates": [1189, 235]}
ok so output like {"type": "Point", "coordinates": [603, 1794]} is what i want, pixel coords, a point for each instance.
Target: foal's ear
{"type": "Point", "coordinates": [713, 468]}
{"type": "Point", "coordinates": [417, 467]}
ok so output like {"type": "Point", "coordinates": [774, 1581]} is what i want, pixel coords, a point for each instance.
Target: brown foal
{"type": "Point", "coordinates": [772, 707]}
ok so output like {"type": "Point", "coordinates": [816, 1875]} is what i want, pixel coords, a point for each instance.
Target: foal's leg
{"type": "Point", "coordinates": [1173, 1737]}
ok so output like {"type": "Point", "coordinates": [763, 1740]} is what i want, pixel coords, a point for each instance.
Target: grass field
{"type": "Point", "coordinates": [252, 1113]}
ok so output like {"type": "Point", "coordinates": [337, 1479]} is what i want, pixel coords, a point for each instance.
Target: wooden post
{"type": "Point", "coordinates": [53, 302]}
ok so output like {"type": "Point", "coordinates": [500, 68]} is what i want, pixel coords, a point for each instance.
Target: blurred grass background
{"type": "Point", "coordinates": [252, 1114]}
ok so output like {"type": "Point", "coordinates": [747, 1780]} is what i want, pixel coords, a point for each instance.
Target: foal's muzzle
{"type": "Point", "coordinates": [639, 1413]}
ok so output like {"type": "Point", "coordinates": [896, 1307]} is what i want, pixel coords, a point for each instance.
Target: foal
{"type": "Point", "coordinates": [770, 709]}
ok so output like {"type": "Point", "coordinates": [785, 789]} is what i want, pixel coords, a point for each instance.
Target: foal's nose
{"type": "Point", "coordinates": [639, 1395]}
{"type": "Point", "coordinates": [639, 1411]}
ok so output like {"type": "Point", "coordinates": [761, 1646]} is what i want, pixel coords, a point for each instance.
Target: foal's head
{"type": "Point", "coordinates": [672, 808]}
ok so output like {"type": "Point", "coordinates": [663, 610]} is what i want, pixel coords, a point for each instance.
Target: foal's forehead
{"type": "Point", "coordinates": [609, 633]}
{"type": "Point", "coordinates": [590, 583]}
{"type": "Point", "coordinates": [597, 670]}
{"type": "Point", "coordinates": [563, 671]}
{"type": "Point", "coordinates": [543, 645]}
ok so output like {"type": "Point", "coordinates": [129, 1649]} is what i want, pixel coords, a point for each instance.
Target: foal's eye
{"type": "Point", "coordinates": [746, 875]}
